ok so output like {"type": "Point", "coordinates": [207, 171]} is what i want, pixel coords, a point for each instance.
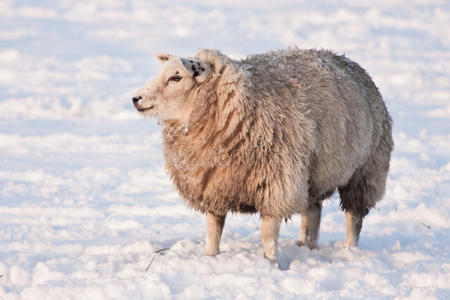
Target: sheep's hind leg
{"type": "Point", "coordinates": [214, 227]}
{"type": "Point", "coordinates": [309, 230]}
{"type": "Point", "coordinates": [356, 202]}
{"type": "Point", "coordinates": [363, 190]}
{"type": "Point", "coordinates": [354, 225]}
{"type": "Point", "coordinates": [366, 187]}
{"type": "Point", "coordinates": [270, 228]}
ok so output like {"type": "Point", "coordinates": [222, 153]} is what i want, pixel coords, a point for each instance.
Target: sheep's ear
{"type": "Point", "coordinates": [163, 57]}
{"type": "Point", "coordinates": [198, 69]}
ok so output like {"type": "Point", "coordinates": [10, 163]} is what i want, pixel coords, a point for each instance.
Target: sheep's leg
{"type": "Point", "coordinates": [354, 224]}
{"type": "Point", "coordinates": [214, 226]}
{"type": "Point", "coordinates": [366, 187]}
{"type": "Point", "coordinates": [270, 228]}
{"type": "Point", "coordinates": [309, 231]}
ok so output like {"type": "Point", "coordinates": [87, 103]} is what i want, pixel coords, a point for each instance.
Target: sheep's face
{"type": "Point", "coordinates": [164, 97]}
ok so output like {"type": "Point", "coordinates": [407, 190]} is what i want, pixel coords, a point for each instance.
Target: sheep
{"type": "Point", "coordinates": [275, 134]}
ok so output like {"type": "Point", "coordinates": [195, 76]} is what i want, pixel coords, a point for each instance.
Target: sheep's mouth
{"type": "Point", "coordinates": [145, 108]}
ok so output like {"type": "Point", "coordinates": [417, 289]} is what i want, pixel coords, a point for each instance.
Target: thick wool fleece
{"type": "Point", "coordinates": [279, 132]}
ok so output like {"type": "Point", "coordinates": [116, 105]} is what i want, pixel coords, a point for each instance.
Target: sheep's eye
{"type": "Point", "coordinates": [175, 78]}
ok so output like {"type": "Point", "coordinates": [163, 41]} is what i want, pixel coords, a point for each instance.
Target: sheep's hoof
{"type": "Point", "coordinates": [345, 244]}
{"type": "Point", "coordinates": [211, 252]}
{"type": "Point", "coordinates": [273, 260]}
{"type": "Point", "coordinates": [310, 246]}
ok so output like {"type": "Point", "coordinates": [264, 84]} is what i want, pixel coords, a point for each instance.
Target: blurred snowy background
{"type": "Point", "coordinates": [85, 199]}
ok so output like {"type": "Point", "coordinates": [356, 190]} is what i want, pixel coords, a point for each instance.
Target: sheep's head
{"type": "Point", "coordinates": [165, 95]}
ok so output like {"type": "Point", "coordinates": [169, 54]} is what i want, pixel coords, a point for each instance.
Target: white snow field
{"type": "Point", "coordinates": [85, 200]}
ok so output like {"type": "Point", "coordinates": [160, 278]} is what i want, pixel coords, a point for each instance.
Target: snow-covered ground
{"type": "Point", "coordinates": [85, 200]}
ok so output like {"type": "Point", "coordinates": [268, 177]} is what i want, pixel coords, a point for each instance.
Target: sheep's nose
{"type": "Point", "coordinates": [136, 99]}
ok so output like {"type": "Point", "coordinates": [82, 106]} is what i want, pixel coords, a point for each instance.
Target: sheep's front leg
{"type": "Point", "coordinates": [214, 226]}
{"type": "Point", "coordinates": [270, 229]}
{"type": "Point", "coordinates": [309, 232]}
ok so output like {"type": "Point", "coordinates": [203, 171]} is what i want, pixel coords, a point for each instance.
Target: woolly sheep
{"type": "Point", "coordinates": [274, 133]}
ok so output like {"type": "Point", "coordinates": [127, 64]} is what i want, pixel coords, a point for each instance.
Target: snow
{"type": "Point", "coordinates": [85, 201]}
